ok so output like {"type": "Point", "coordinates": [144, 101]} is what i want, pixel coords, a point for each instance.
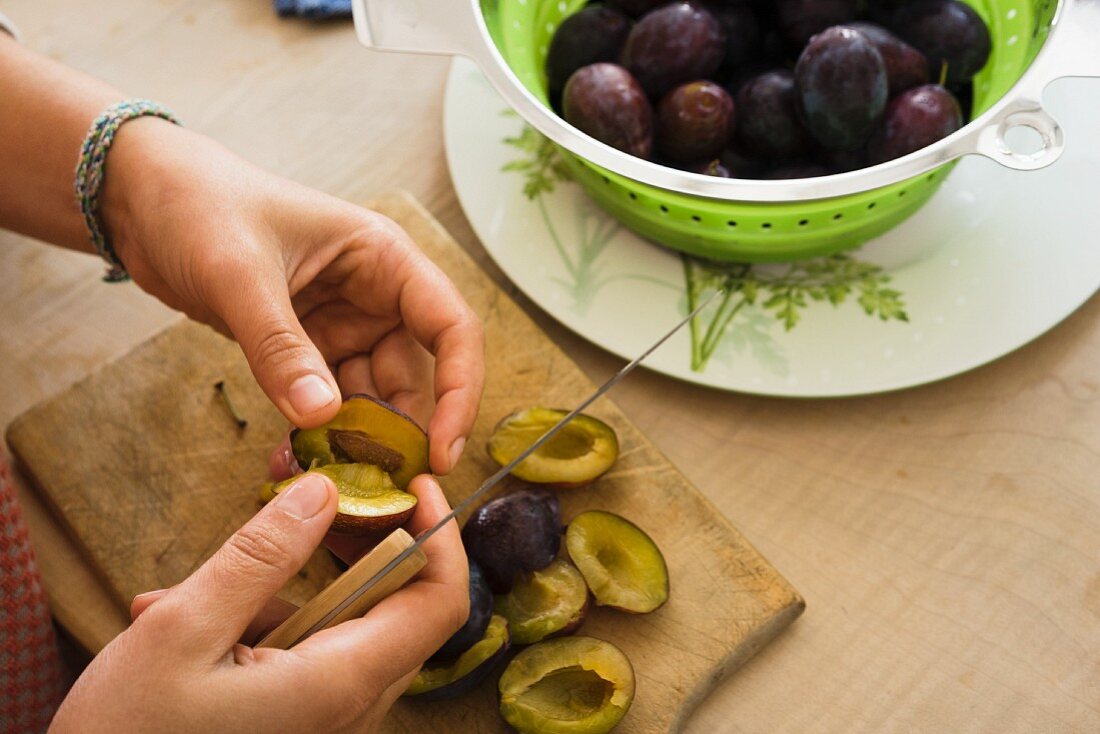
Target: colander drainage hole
{"type": "Point", "coordinates": [766, 225]}
{"type": "Point", "coordinates": [606, 180]}
{"type": "Point", "coordinates": [664, 209]}
{"type": "Point", "coordinates": [695, 218]}
{"type": "Point", "coordinates": [803, 222]}
{"type": "Point", "coordinates": [837, 217]}
{"type": "Point", "coordinates": [901, 194]}
{"type": "Point", "coordinates": [731, 223]}
{"type": "Point", "coordinates": [871, 205]}
{"type": "Point", "coordinates": [633, 196]}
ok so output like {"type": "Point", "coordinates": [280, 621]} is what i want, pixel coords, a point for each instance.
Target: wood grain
{"type": "Point", "coordinates": [165, 476]}
{"type": "Point", "coordinates": [944, 537]}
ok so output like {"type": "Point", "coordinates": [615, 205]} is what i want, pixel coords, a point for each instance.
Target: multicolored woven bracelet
{"type": "Point", "coordinates": [90, 172]}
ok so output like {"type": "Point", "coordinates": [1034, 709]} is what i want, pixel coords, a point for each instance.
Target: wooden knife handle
{"type": "Point", "coordinates": [290, 631]}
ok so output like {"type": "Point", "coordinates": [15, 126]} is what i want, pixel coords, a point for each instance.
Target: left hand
{"type": "Point", "coordinates": [310, 286]}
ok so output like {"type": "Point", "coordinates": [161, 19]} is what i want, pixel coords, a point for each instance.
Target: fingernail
{"type": "Point", "coordinates": [309, 393]}
{"type": "Point", "coordinates": [148, 594]}
{"type": "Point", "coordinates": [305, 498]}
{"type": "Point", "coordinates": [456, 451]}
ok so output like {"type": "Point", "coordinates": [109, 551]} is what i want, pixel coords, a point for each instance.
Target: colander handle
{"type": "Point", "coordinates": [448, 27]}
{"type": "Point", "coordinates": [1071, 51]}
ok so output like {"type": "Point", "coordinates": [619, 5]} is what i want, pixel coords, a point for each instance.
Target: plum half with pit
{"type": "Point", "coordinates": [571, 685]}
{"type": "Point", "coordinates": [366, 430]}
{"type": "Point", "coordinates": [481, 611]}
{"type": "Point", "coordinates": [369, 501]}
{"type": "Point", "coordinates": [915, 119]}
{"type": "Point", "coordinates": [440, 681]}
{"type": "Point", "coordinates": [676, 43]}
{"type": "Point", "coordinates": [694, 121]}
{"type": "Point", "coordinates": [842, 87]}
{"type": "Point", "coordinates": [512, 534]}
{"type": "Point", "coordinates": [547, 603]}
{"type": "Point", "coordinates": [606, 102]}
{"type": "Point", "coordinates": [620, 563]}
{"type": "Point", "coordinates": [577, 454]}
{"type": "Point", "coordinates": [593, 34]}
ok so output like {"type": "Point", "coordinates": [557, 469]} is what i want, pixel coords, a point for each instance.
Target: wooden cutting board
{"type": "Point", "coordinates": [143, 465]}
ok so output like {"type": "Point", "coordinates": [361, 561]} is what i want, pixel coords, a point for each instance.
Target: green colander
{"type": "Point", "coordinates": [1034, 43]}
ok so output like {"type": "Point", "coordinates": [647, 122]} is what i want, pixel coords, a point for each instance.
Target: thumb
{"type": "Point", "coordinates": [285, 362]}
{"type": "Point", "coordinates": [219, 600]}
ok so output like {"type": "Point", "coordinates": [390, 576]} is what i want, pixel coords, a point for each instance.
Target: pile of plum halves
{"type": "Point", "coordinates": [767, 89]}
{"type": "Point", "coordinates": [533, 577]}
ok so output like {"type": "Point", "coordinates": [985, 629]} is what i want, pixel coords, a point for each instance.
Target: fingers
{"type": "Point", "coordinates": [380, 648]}
{"type": "Point", "coordinates": [286, 364]}
{"type": "Point", "coordinates": [402, 373]}
{"type": "Point", "coordinates": [282, 463]}
{"type": "Point", "coordinates": [274, 613]}
{"type": "Point", "coordinates": [141, 602]}
{"type": "Point", "coordinates": [215, 605]}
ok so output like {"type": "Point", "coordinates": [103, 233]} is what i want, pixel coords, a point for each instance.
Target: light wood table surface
{"type": "Point", "coordinates": [945, 538]}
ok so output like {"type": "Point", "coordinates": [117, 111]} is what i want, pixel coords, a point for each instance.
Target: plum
{"type": "Point", "coordinates": [570, 685]}
{"type": "Point", "coordinates": [546, 603]}
{"type": "Point", "coordinates": [516, 532]}
{"type": "Point", "coordinates": [742, 33]}
{"type": "Point", "coordinates": [915, 119]}
{"type": "Point", "coordinates": [676, 43]}
{"type": "Point", "coordinates": [620, 563]}
{"type": "Point", "coordinates": [446, 680]}
{"type": "Point", "coordinates": [800, 20]}
{"type": "Point", "coordinates": [369, 501]}
{"type": "Point", "coordinates": [694, 121]}
{"type": "Point", "coordinates": [947, 32]}
{"type": "Point", "coordinates": [842, 87]}
{"type": "Point", "coordinates": [906, 67]}
{"type": "Point", "coordinates": [606, 102]}
{"type": "Point", "coordinates": [796, 170]}
{"type": "Point", "coordinates": [635, 8]}
{"type": "Point", "coordinates": [768, 112]}
{"type": "Point", "coordinates": [593, 34]}
{"type": "Point", "coordinates": [366, 430]}
{"type": "Point", "coordinates": [578, 454]}
{"type": "Point", "coordinates": [481, 610]}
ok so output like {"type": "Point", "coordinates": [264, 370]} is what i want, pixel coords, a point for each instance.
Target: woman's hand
{"type": "Point", "coordinates": [310, 286]}
{"type": "Point", "coordinates": [180, 667]}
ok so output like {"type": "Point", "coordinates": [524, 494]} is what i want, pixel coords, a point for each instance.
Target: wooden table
{"type": "Point", "coordinates": [945, 538]}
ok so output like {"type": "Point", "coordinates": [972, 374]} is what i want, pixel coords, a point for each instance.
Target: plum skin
{"type": "Point", "coordinates": [481, 611]}
{"type": "Point", "coordinates": [769, 124]}
{"type": "Point", "coordinates": [591, 35]}
{"type": "Point", "coordinates": [606, 102]}
{"type": "Point", "coordinates": [676, 43]}
{"type": "Point", "coordinates": [915, 119]}
{"type": "Point", "coordinates": [842, 87]}
{"type": "Point", "coordinates": [694, 121]}
{"type": "Point", "coordinates": [516, 532]}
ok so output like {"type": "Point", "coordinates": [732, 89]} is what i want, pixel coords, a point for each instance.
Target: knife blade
{"type": "Point", "coordinates": [402, 551]}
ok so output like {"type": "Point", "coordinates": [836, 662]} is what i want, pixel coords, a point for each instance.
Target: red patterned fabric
{"type": "Point", "coordinates": [30, 670]}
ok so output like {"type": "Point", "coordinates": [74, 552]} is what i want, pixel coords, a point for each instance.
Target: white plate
{"type": "Point", "coordinates": [992, 261]}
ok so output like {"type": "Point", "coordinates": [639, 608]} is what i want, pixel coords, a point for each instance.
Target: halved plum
{"type": "Point", "coordinates": [442, 681]}
{"type": "Point", "coordinates": [545, 603]}
{"type": "Point", "coordinates": [621, 564]}
{"type": "Point", "coordinates": [366, 430]}
{"type": "Point", "coordinates": [572, 685]}
{"type": "Point", "coordinates": [369, 500]}
{"type": "Point", "coordinates": [515, 532]}
{"type": "Point", "coordinates": [481, 612]}
{"type": "Point", "coordinates": [578, 454]}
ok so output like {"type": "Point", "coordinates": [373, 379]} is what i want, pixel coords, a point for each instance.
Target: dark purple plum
{"type": "Point", "coordinates": [741, 163]}
{"type": "Point", "coordinates": [513, 533]}
{"type": "Point", "coordinates": [676, 43]}
{"type": "Point", "coordinates": [742, 33]}
{"type": "Point", "coordinates": [606, 102]}
{"type": "Point", "coordinates": [481, 610]}
{"type": "Point", "coordinates": [593, 34]}
{"type": "Point", "coordinates": [800, 20]}
{"type": "Point", "coordinates": [842, 161]}
{"type": "Point", "coordinates": [796, 170]}
{"type": "Point", "coordinates": [635, 8]}
{"type": "Point", "coordinates": [906, 67]}
{"type": "Point", "coordinates": [915, 119]}
{"type": "Point", "coordinates": [842, 87]}
{"type": "Point", "coordinates": [947, 32]}
{"type": "Point", "coordinates": [768, 121]}
{"type": "Point", "coordinates": [694, 121]}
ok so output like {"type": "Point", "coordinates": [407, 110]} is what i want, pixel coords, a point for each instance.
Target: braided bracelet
{"type": "Point", "coordinates": [90, 172]}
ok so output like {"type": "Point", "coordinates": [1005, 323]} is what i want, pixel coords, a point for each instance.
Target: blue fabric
{"type": "Point", "coordinates": [314, 8]}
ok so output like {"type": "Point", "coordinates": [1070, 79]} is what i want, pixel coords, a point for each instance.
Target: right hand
{"type": "Point", "coordinates": [181, 668]}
